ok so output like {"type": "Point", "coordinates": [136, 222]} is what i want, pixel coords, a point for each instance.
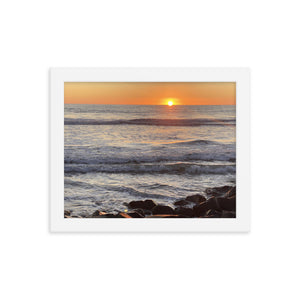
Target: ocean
{"type": "Point", "coordinates": [114, 154]}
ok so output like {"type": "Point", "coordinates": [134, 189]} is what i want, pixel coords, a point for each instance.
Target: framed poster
{"type": "Point", "coordinates": [150, 150]}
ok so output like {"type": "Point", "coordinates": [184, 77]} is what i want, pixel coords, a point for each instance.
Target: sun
{"type": "Point", "coordinates": [170, 101]}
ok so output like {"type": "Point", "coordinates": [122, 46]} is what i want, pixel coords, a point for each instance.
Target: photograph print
{"type": "Point", "coordinates": [149, 150]}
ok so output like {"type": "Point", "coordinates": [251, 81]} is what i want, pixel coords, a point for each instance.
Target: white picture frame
{"type": "Point", "coordinates": [58, 76]}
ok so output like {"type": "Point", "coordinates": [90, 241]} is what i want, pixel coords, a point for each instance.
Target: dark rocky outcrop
{"type": "Point", "coordinates": [147, 204]}
{"type": "Point", "coordinates": [147, 212]}
{"type": "Point", "coordinates": [212, 213]}
{"type": "Point", "coordinates": [67, 213]}
{"type": "Point", "coordinates": [101, 214]}
{"type": "Point", "coordinates": [227, 203]}
{"type": "Point", "coordinates": [231, 192]}
{"type": "Point", "coordinates": [218, 190]}
{"type": "Point", "coordinates": [163, 210]}
{"type": "Point", "coordinates": [228, 214]}
{"type": "Point", "coordinates": [223, 191]}
{"type": "Point", "coordinates": [200, 209]}
{"type": "Point", "coordinates": [135, 214]}
{"type": "Point", "coordinates": [136, 204]}
{"type": "Point", "coordinates": [220, 204]}
{"type": "Point", "coordinates": [189, 212]}
{"type": "Point", "coordinates": [97, 213]}
{"type": "Point", "coordinates": [141, 211]}
{"type": "Point", "coordinates": [181, 203]}
{"type": "Point", "coordinates": [197, 199]}
{"type": "Point", "coordinates": [213, 203]}
{"type": "Point", "coordinates": [214, 206]}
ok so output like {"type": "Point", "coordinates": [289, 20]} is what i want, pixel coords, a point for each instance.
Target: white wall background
{"type": "Point", "coordinates": [262, 35]}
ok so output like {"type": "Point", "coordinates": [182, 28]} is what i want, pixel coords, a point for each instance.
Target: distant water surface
{"type": "Point", "coordinates": [119, 153]}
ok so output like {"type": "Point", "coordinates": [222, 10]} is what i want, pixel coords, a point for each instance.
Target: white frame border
{"type": "Point", "coordinates": [60, 75]}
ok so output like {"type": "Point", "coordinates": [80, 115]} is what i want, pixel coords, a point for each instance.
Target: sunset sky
{"type": "Point", "coordinates": [151, 93]}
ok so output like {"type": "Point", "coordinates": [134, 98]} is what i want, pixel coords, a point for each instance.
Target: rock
{"type": "Point", "coordinates": [123, 215]}
{"type": "Point", "coordinates": [136, 204]}
{"type": "Point", "coordinates": [228, 204]}
{"type": "Point", "coordinates": [228, 214]}
{"type": "Point", "coordinates": [213, 203]}
{"type": "Point", "coordinates": [147, 204]}
{"type": "Point", "coordinates": [218, 190]}
{"type": "Point", "coordinates": [147, 212]}
{"type": "Point", "coordinates": [101, 214]}
{"type": "Point", "coordinates": [67, 213]}
{"type": "Point", "coordinates": [197, 199]}
{"type": "Point", "coordinates": [200, 209]}
{"type": "Point", "coordinates": [97, 213]}
{"type": "Point", "coordinates": [135, 214]}
{"type": "Point", "coordinates": [181, 203]}
{"type": "Point", "coordinates": [189, 212]}
{"type": "Point", "coordinates": [163, 210]}
{"type": "Point", "coordinates": [212, 213]}
{"type": "Point", "coordinates": [164, 216]}
{"type": "Point", "coordinates": [105, 215]}
{"type": "Point", "coordinates": [141, 211]}
{"type": "Point", "coordinates": [231, 192]}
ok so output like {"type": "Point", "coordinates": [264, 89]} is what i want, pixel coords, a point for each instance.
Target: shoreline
{"type": "Point", "coordinates": [219, 202]}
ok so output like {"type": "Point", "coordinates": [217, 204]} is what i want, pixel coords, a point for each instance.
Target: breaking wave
{"type": "Point", "coordinates": [171, 168]}
{"type": "Point", "coordinates": [114, 188]}
{"type": "Point", "coordinates": [152, 122]}
{"type": "Point", "coordinates": [193, 142]}
{"type": "Point", "coordinates": [224, 157]}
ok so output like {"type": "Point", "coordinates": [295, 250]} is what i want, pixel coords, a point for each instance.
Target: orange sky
{"type": "Point", "coordinates": [151, 93]}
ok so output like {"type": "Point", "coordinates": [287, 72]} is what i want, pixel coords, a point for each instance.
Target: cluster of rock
{"type": "Point", "coordinates": [219, 203]}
